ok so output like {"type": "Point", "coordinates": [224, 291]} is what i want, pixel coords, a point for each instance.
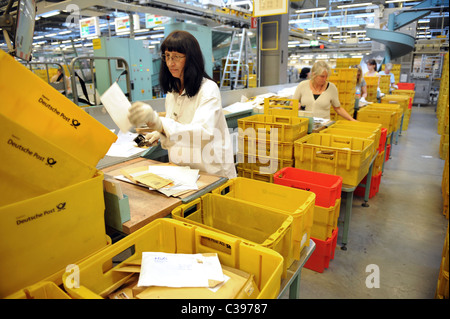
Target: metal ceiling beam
{"type": "Point", "coordinates": [167, 8]}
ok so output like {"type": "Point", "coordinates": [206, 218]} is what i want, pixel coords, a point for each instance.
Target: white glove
{"type": "Point", "coordinates": [140, 113]}
{"type": "Point", "coordinates": [152, 137]}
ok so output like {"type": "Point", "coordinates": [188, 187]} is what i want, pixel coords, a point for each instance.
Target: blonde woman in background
{"type": "Point", "coordinates": [317, 95]}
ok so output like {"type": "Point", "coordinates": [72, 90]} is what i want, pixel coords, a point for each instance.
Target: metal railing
{"type": "Point", "coordinates": [91, 60]}
{"type": "Point", "coordinates": [60, 66]}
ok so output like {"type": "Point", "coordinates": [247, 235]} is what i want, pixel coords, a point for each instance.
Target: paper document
{"type": "Point", "coordinates": [180, 270]}
{"type": "Point", "coordinates": [183, 178]}
{"type": "Point", "coordinates": [117, 105]}
{"type": "Point", "coordinates": [125, 146]}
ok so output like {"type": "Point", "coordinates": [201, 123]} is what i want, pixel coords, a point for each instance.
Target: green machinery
{"type": "Point", "coordinates": [140, 64]}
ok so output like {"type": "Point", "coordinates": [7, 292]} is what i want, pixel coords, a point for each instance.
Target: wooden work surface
{"type": "Point", "coordinates": [147, 205]}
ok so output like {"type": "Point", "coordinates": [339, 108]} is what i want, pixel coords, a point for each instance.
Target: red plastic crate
{"type": "Point", "coordinates": [388, 152]}
{"type": "Point", "coordinates": [326, 187]}
{"type": "Point", "coordinates": [324, 252]}
{"type": "Point", "coordinates": [406, 86]}
{"type": "Point", "coordinates": [374, 186]}
{"type": "Point", "coordinates": [383, 137]}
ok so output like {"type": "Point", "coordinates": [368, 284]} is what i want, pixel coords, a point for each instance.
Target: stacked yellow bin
{"type": "Point", "coordinates": [442, 111]}
{"type": "Point", "coordinates": [385, 83]}
{"type": "Point", "coordinates": [395, 70]}
{"type": "Point", "coordinates": [372, 86]}
{"type": "Point", "coordinates": [445, 188]}
{"type": "Point", "coordinates": [442, 289]}
{"type": "Point", "coordinates": [265, 141]}
{"type": "Point", "coordinates": [347, 62]}
{"type": "Point", "coordinates": [345, 81]}
{"type": "Point", "coordinates": [389, 115]}
{"type": "Point", "coordinates": [348, 157]}
{"type": "Point", "coordinates": [407, 114]}
{"type": "Point", "coordinates": [401, 100]}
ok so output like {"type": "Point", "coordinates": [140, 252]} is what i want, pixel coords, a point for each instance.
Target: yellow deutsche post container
{"type": "Point", "coordinates": [36, 105]}
{"type": "Point", "coordinates": [372, 134]}
{"type": "Point", "coordinates": [296, 202]}
{"type": "Point", "coordinates": [348, 157]}
{"type": "Point", "coordinates": [42, 235]}
{"type": "Point", "coordinates": [97, 276]}
{"type": "Point", "coordinates": [325, 220]}
{"type": "Point", "coordinates": [262, 225]}
{"type": "Point", "coordinates": [396, 108]}
{"type": "Point", "coordinates": [387, 119]}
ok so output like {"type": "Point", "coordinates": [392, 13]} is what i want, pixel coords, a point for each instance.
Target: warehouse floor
{"type": "Point", "coordinates": [402, 232]}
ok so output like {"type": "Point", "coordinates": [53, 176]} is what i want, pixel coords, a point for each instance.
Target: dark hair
{"type": "Point", "coordinates": [372, 62]}
{"type": "Point", "coordinates": [194, 68]}
{"type": "Point", "coordinates": [304, 73]}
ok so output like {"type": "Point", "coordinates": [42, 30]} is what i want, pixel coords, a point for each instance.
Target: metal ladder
{"type": "Point", "coordinates": [236, 72]}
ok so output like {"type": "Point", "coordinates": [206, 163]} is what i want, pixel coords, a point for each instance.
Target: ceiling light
{"type": "Point", "coordinates": [394, 1]}
{"type": "Point", "coordinates": [355, 5]}
{"type": "Point", "coordinates": [310, 10]}
{"type": "Point", "coordinates": [38, 37]}
{"type": "Point", "coordinates": [65, 32]}
{"type": "Point", "coordinates": [50, 14]}
{"type": "Point", "coordinates": [155, 36]}
{"type": "Point", "coordinates": [50, 35]}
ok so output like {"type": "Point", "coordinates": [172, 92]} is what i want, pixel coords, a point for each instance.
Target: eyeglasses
{"type": "Point", "coordinates": [175, 58]}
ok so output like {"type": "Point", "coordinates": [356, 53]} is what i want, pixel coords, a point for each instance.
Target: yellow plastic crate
{"type": "Point", "coordinates": [396, 108]}
{"type": "Point", "coordinates": [261, 126]}
{"type": "Point", "coordinates": [325, 220]}
{"type": "Point", "coordinates": [372, 80]}
{"type": "Point", "coordinates": [387, 119]}
{"type": "Point", "coordinates": [252, 146]}
{"type": "Point", "coordinates": [359, 126]}
{"type": "Point", "coordinates": [268, 227]}
{"type": "Point", "coordinates": [263, 164]}
{"type": "Point", "coordinates": [402, 100]}
{"type": "Point", "coordinates": [256, 175]}
{"type": "Point", "coordinates": [369, 134]}
{"type": "Point", "coordinates": [98, 279]}
{"type": "Point", "coordinates": [348, 157]}
{"type": "Point", "coordinates": [295, 202]}
{"type": "Point", "coordinates": [40, 236]}
{"type": "Point", "coordinates": [40, 290]}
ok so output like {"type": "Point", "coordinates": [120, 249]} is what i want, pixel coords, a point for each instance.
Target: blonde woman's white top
{"type": "Point", "coordinates": [321, 106]}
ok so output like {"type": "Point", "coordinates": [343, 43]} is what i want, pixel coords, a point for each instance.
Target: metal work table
{"type": "Point", "coordinates": [292, 280]}
{"type": "Point", "coordinates": [349, 190]}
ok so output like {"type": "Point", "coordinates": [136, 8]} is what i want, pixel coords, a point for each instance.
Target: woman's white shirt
{"type": "Point", "coordinates": [197, 133]}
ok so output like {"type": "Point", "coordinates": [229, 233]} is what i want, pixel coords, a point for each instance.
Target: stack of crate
{"type": "Point", "coordinates": [445, 187]}
{"type": "Point", "coordinates": [403, 101]}
{"type": "Point", "coordinates": [265, 141]}
{"type": "Point", "coordinates": [407, 114]}
{"type": "Point", "coordinates": [345, 81]}
{"type": "Point", "coordinates": [442, 291]}
{"type": "Point", "coordinates": [442, 111]}
{"type": "Point", "coordinates": [378, 162]}
{"type": "Point", "coordinates": [347, 62]}
{"type": "Point", "coordinates": [327, 189]}
{"type": "Point", "coordinates": [395, 70]}
{"type": "Point", "coordinates": [372, 87]}
{"type": "Point", "coordinates": [385, 83]}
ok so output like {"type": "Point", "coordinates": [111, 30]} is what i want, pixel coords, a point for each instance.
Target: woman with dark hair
{"type": "Point", "coordinates": [194, 130]}
{"type": "Point", "coordinates": [305, 74]}
{"type": "Point", "coordinates": [372, 68]}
